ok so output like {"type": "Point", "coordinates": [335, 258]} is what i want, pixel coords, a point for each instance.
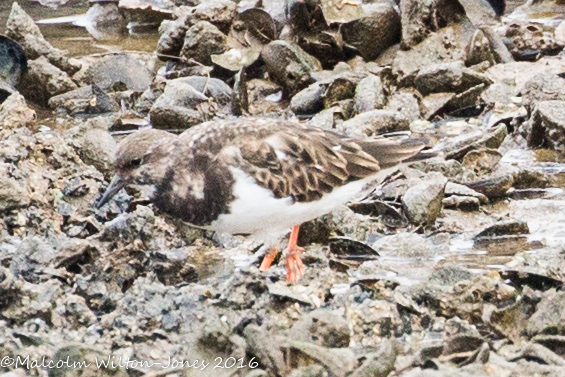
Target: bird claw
{"type": "Point", "coordinates": [294, 266]}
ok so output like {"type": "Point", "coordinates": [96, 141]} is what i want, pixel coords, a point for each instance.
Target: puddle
{"type": "Point", "coordinates": [75, 39]}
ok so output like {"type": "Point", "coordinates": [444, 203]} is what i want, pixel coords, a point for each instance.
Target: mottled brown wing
{"type": "Point", "coordinates": [304, 163]}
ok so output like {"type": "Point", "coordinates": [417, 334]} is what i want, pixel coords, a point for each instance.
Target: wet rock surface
{"type": "Point", "coordinates": [450, 266]}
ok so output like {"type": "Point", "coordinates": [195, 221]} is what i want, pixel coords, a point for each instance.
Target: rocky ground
{"type": "Point", "coordinates": [452, 267]}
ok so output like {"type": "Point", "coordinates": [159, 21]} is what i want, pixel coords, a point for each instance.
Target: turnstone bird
{"type": "Point", "coordinates": [253, 176]}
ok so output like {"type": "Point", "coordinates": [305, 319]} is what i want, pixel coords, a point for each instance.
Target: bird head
{"type": "Point", "coordinates": [142, 160]}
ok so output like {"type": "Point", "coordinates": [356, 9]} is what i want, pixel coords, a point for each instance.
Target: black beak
{"type": "Point", "coordinates": [115, 185]}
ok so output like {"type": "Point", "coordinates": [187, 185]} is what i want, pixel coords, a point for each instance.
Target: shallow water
{"type": "Point", "coordinates": [75, 39]}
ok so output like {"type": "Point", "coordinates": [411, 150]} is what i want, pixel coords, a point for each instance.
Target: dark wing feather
{"type": "Point", "coordinates": [306, 163]}
{"type": "Point", "coordinates": [303, 163]}
{"type": "Point", "coordinates": [390, 152]}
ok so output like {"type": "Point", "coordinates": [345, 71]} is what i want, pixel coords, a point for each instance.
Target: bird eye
{"type": "Point", "coordinates": [135, 162]}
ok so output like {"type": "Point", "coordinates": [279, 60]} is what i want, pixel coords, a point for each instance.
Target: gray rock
{"type": "Point", "coordinates": [504, 228]}
{"type": "Point", "coordinates": [13, 63]}
{"type": "Point", "coordinates": [493, 188]}
{"type": "Point", "coordinates": [376, 31]}
{"type": "Point", "coordinates": [503, 245]}
{"type": "Point", "coordinates": [174, 117]}
{"type": "Point", "coordinates": [326, 118]}
{"type": "Point", "coordinates": [77, 311]}
{"type": "Point", "coordinates": [457, 147]}
{"type": "Point", "coordinates": [15, 113]}
{"type": "Point", "coordinates": [374, 122]}
{"type": "Point", "coordinates": [548, 125]}
{"type": "Point", "coordinates": [262, 96]}
{"type": "Point", "coordinates": [340, 88]}
{"type": "Point", "coordinates": [530, 179]}
{"type": "Point", "coordinates": [94, 144]}
{"type": "Point", "coordinates": [369, 94]}
{"type": "Point", "coordinates": [420, 18]}
{"type": "Point", "coordinates": [464, 203]}
{"type": "Point", "coordinates": [500, 92]}
{"type": "Point", "coordinates": [482, 161]}
{"type": "Point", "coordinates": [21, 27]}
{"type": "Point", "coordinates": [548, 318]}
{"type": "Point", "coordinates": [422, 202]}
{"type": "Point", "coordinates": [309, 100]}
{"type": "Point", "coordinates": [404, 245]}
{"type": "Point", "coordinates": [13, 194]}
{"type": "Point", "coordinates": [81, 353]}
{"type": "Point", "coordinates": [257, 373]}
{"type": "Point", "coordinates": [479, 50]}
{"type": "Point", "coordinates": [89, 99]}
{"type": "Point", "coordinates": [455, 189]}
{"type": "Point", "coordinates": [406, 102]}
{"type": "Point", "coordinates": [338, 362]}
{"type": "Point", "coordinates": [525, 37]}
{"type": "Point", "coordinates": [322, 327]}
{"type": "Point", "coordinates": [172, 34]}
{"type": "Point", "coordinates": [11, 288]}
{"type": "Point", "coordinates": [443, 46]}
{"type": "Point", "coordinates": [130, 69]}
{"type": "Point", "coordinates": [378, 364]}
{"type": "Point", "coordinates": [43, 81]}
{"type": "Point", "coordinates": [269, 354]}
{"type": "Point", "coordinates": [219, 13]}
{"type": "Point", "coordinates": [448, 77]}
{"type": "Point", "coordinates": [183, 104]}
{"type": "Point", "coordinates": [435, 104]}
{"type": "Point", "coordinates": [466, 99]}
{"type": "Point", "coordinates": [309, 371]}
{"type": "Point", "coordinates": [201, 41]}
{"type": "Point", "coordinates": [543, 87]}
{"type": "Point", "coordinates": [289, 66]}
{"type": "Point", "coordinates": [449, 274]}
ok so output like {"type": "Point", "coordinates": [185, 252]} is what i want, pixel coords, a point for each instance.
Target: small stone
{"type": "Point", "coordinates": [379, 363]}
{"type": "Point", "coordinates": [423, 201]}
{"type": "Point", "coordinates": [404, 245]}
{"type": "Point", "coordinates": [309, 100]}
{"type": "Point", "coordinates": [219, 13]}
{"type": "Point", "coordinates": [203, 40]}
{"type": "Point", "coordinates": [322, 327]}
{"type": "Point", "coordinates": [94, 144]}
{"type": "Point", "coordinates": [15, 113]}
{"type": "Point", "coordinates": [543, 87]}
{"type": "Point", "coordinates": [290, 66]}
{"type": "Point", "coordinates": [374, 122]}
{"type": "Point", "coordinates": [376, 31]}
{"type": "Point", "coordinates": [464, 203]}
{"type": "Point", "coordinates": [456, 189]}
{"type": "Point", "coordinates": [548, 125]}
{"type": "Point", "coordinates": [482, 161]}
{"type": "Point", "coordinates": [505, 228]}
{"type": "Point", "coordinates": [43, 81]}
{"type": "Point", "coordinates": [548, 318]}
{"type": "Point", "coordinates": [13, 194]}
{"type": "Point", "coordinates": [493, 188]}
{"type": "Point", "coordinates": [448, 77]}
{"type": "Point", "coordinates": [369, 94]}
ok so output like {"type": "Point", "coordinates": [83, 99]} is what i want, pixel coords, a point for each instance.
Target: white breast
{"type": "Point", "coordinates": [255, 210]}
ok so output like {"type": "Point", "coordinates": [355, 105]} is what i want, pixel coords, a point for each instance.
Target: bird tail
{"type": "Point", "coordinates": [389, 152]}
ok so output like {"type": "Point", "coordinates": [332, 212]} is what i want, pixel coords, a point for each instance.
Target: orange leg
{"type": "Point", "coordinates": [269, 258]}
{"type": "Point", "coordinates": [294, 266]}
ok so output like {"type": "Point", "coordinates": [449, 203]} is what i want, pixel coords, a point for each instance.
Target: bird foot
{"type": "Point", "coordinates": [269, 258]}
{"type": "Point", "coordinates": [294, 266]}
